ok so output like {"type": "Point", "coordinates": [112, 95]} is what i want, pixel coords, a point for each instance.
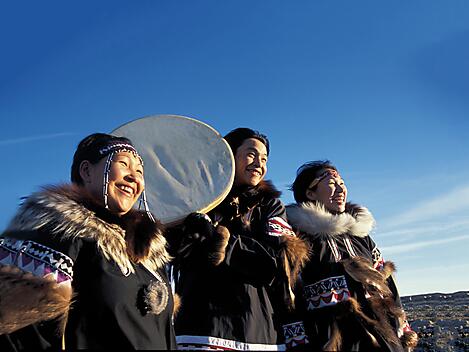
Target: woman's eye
{"type": "Point", "coordinates": [123, 163]}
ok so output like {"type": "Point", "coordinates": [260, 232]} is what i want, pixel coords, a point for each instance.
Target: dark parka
{"type": "Point", "coordinates": [347, 299]}
{"type": "Point", "coordinates": [241, 299]}
{"type": "Point", "coordinates": [115, 265]}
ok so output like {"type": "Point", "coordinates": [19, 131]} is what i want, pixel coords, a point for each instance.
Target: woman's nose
{"type": "Point", "coordinates": [260, 161]}
{"type": "Point", "coordinates": [132, 176]}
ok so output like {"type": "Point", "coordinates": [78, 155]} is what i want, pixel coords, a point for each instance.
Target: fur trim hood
{"type": "Point", "coordinates": [313, 218]}
{"type": "Point", "coordinates": [69, 212]}
{"type": "Point", "coordinates": [265, 188]}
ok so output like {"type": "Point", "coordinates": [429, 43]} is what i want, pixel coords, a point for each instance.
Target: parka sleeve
{"type": "Point", "coordinates": [273, 244]}
{"type": "Point", "coordinates": [35, 279]}
{"type": "Point", "coordinates": [257, 255]}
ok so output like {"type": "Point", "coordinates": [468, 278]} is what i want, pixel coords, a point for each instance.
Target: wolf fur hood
{"type": "Point", "coordinates": [69, 212]}
{"type": "Point", "coordinates": [314, 218]}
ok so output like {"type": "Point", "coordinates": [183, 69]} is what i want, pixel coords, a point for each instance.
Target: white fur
{"type": "Point", "coordinates": [315, 219]}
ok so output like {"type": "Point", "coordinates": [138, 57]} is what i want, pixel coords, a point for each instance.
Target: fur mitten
{"type": "Point", "coordinates": [217, 245]}
{"type": "Point", "coordinates": [26, 299]}
{"type": "Point", "coordinates": [199, 228]}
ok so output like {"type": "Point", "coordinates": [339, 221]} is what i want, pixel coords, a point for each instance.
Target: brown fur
{"type": "Point", "coordinates": [177, 304]}
{"type": "Point", "coordinates": [380, 322]}
{"type": "Point", "coordinates": [156, 297]}
{"type": "Point", "coordinates": [26, 299]}
{"type": "Point", "coordinates": [384, 309]}
{"type": "Point", "coordinates": [382, 304]}
{"type": "Point", "coordinates": [388, 269]}
{"type": "Point", "coordinates": [140, 231]}
{"type": "Point", "coordinates": [409, 340]}
{"type": "Point", "coordinates": [335, 339]}
{"type": "Point", "coordinates": [267, 188]}
{"type": "Point", "coordinates": [361, 270]}
{"type": "Point", "coordinates": [69, 211]}
{"type": "Point", "coordinates": [295, 252]}
{"type": "Point", "coordinates": [218, 245]}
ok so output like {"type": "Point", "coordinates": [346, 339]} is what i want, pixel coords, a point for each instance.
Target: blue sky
{"type": "Point", "coordinates": [378, 87]}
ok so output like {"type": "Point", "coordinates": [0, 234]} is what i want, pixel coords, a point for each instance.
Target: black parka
{"type": "Point", "coordinates": [243, 302]}
{"type": "Point", "coordinates": [115, 266]}
{"type": "Point", "coordinates": [348, 298]}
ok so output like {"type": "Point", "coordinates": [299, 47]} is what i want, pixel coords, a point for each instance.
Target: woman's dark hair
{"type": "Point", "coordinates": [237, 136]}
{"type": "Point", "coordinates": [305, 174]}
{"type": "Point", "coordinates": [89, 149]}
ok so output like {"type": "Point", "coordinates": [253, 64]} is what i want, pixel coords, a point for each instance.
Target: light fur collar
{"type": "Point", "coordinates": [315, 219]}
{"type": "Point", "coordinates": [60, 212]}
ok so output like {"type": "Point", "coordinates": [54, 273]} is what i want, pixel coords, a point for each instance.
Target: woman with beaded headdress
{"type": "Point", "coordinates": [80, 268]}
{"type": "Point", "coordinates": [348, 299]}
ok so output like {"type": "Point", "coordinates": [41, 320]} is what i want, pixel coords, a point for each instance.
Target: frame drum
{"type": "Point", "coordinates": [188, 166]}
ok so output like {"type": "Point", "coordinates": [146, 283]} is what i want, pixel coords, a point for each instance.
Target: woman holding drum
{"type": "Point", "coordinates": [234, 266]}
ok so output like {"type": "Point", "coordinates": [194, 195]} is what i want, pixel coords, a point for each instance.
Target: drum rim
{"type": "Point", "coordinates": [226, 191]}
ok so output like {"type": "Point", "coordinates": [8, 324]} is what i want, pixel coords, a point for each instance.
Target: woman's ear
{"type": "Point", "coordinates": [310, 194]}
{"type": "Point", "coordinates": [85, 172]}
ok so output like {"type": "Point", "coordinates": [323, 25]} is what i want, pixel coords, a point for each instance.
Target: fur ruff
{"type": "Point", "coordinates": [267, 188]}
{"type": "Point", "coordinates": [68, 212]}
{"type": "Point", "coordinates": [313, 218]}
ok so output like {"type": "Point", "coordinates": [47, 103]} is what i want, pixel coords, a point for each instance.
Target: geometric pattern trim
{"type": "Point", "coordinates": [278, 227]}
{"type": "Point", "coordinates": [294, 334]}
{"type": "Point", "coordinates": [327, 292]}
{"type": "Point", "coordinates": [36, 258]}
{"type": "Point", "coordinates": [212, 343]}
{"type": "Point", "coordinates": [378, 260]}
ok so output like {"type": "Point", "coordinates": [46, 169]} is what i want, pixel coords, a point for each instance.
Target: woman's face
{"type": "Point", "coordinates": [125, 185]}
{"type": "Point", "coordinates": [330, 191]}
{"type": "Point", "coordinates": [251, 163]}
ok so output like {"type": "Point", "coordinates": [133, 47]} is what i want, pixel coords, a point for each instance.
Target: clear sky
{"type": "Point", "coordinates": [381, 88]}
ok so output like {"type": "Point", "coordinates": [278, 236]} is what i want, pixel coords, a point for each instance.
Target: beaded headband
{"type": "Point", "coordinates": [111, 149]}
{"type": "Point", "coordinates": [323, 174]}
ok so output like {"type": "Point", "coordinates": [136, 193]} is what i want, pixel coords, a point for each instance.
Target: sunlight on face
{"type": "Point", "coordinates": [125, 181]}
{"type": "Point", "coordinates": [330, 191]}
{"type": "Point", "coordinates": [251, 163]}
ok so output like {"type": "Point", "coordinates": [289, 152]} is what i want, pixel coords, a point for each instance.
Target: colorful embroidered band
{"type": "Point", "coordinates": [323, 174]}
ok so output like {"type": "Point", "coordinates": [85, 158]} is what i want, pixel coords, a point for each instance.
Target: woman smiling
{"type": "Point", "coordinates": [81, 267]}
{"type": "Point", "coordinates": [235, 265]}
{"type": "Point", "coordinates": [348, 299]}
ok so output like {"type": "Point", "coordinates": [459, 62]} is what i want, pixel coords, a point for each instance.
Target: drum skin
{"type": "Point", "coordinates": [188, 166]}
